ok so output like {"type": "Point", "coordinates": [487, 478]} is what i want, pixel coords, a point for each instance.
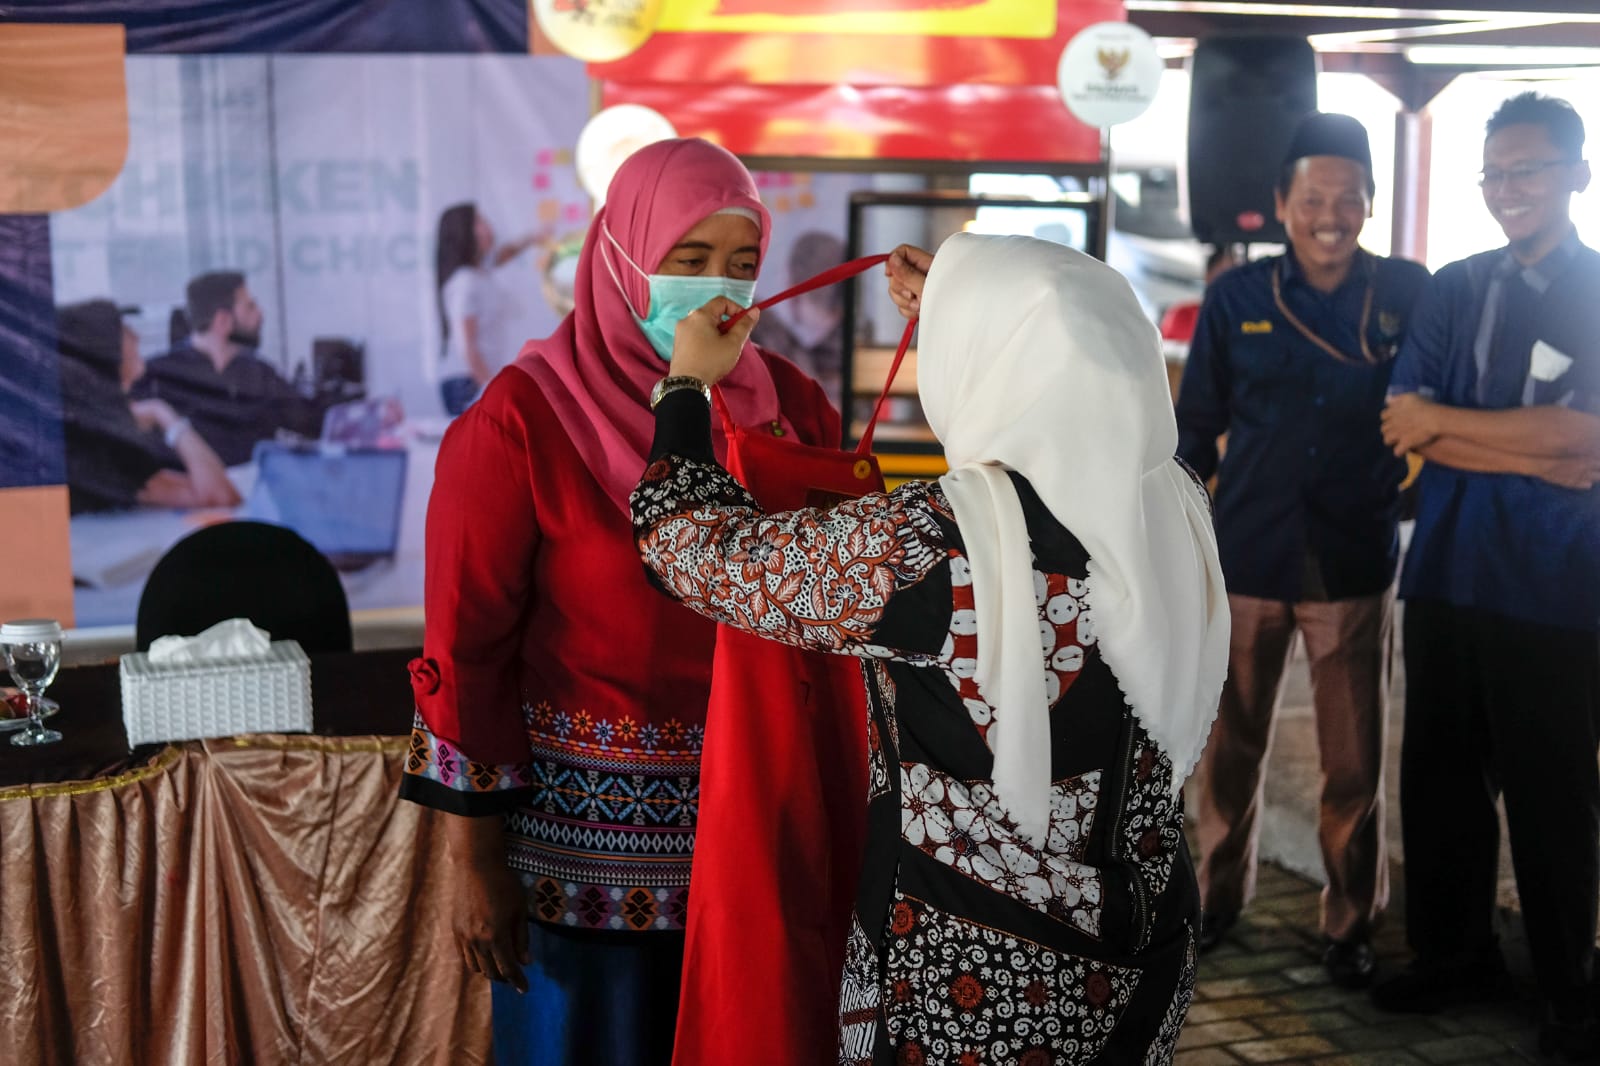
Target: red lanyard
{"type": "Point", "coordinates": [829, 277]}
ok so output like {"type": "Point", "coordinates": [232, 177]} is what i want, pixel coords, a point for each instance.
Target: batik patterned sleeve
{"type": "Point", "coordinates": [847, 579]}
{"type": "Point", "coordinates": [439, 774]}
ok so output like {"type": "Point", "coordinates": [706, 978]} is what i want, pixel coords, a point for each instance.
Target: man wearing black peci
{"type": "Point", "coordinates": [1290, 359]}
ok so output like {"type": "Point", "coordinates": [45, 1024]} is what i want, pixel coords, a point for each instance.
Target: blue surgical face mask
{"type": "Point", "coordinates": [674, 296]}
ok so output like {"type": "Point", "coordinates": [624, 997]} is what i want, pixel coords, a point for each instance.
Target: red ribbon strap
{"type": "Point", "coordinates": [831, 276]}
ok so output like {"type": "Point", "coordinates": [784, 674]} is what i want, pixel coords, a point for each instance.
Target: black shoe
{"type": "Point", "coordinates": [1350, 963]}
{"type": "Point", "coordinates": [1425, 987]}
{"type": "Point", "coordinates": [1213, 927]}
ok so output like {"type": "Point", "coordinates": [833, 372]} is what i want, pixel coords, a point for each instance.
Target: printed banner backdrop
{"type": "Point", "coordinates": [313, 149]}
{"type": "Point", "coordinates": [36, 580]}
{"type": "Point", "coordinates": [322, 181]}
{"type": "Point", "coordinates": [195, 26]}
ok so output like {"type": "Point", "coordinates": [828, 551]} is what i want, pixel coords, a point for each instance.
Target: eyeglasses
{"type": "Point", "coordinates": [1519, 175]}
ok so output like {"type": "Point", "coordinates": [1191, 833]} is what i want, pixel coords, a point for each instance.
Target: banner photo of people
{"type": "Point", "coordinates": [308, 265]}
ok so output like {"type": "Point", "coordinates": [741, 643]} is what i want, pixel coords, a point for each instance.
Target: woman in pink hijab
{"type": "Point", "coordinates": [561, 702]}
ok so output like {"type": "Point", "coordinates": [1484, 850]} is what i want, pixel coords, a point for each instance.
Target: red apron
{"type": "Point", "coordinates": [783, 785]}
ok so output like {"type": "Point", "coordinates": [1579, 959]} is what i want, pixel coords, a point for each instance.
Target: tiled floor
{"type": "Point", "coordinates": [1263, 997]}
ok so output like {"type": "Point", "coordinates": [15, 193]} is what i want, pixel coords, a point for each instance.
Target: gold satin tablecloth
{"type": "Point", "coordinates": [257, 900]}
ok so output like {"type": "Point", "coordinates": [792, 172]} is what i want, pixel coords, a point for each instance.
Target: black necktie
{"type": "Point", "coordinates": [1503, 366]}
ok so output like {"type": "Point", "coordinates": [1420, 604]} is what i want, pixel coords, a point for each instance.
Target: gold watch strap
{"type": "Point", "coordinates": [675, 383]}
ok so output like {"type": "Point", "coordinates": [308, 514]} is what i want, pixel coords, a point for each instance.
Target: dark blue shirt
{"type": "Point", "coordinates": [1491, 334]}
{"type": "Point", "coordinates": [1307, 500]}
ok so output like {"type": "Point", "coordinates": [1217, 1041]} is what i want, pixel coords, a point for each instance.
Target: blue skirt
{"type": "Point", "coordinates": [595, 998]}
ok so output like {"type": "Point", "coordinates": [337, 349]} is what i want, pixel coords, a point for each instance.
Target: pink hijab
{"type": "Point", "coordinates": [597, 368]}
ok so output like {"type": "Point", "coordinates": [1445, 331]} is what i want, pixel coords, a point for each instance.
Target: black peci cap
{"type": "Point", "coordinates": [1325, 133]}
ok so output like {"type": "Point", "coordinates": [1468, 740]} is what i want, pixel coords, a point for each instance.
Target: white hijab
{"type": "Point", "coordinates": [1038, 359]}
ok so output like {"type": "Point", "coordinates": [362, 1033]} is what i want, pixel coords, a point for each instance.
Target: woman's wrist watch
{"type": "Point", "coordinates": [675, 382]}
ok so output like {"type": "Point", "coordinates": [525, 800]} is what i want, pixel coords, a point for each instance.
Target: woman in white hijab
{"type": "Point", "coordinates": [1044, 636]}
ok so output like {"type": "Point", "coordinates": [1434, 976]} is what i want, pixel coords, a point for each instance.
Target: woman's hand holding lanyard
{"type": "Point", "coordinates": [700, 348]}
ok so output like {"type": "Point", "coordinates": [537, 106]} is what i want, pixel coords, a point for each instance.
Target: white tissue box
{"type": "Point", "coordinates": [219, 698]}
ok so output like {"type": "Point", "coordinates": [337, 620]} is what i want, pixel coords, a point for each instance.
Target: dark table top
{"type": "Point", "coordinates": [352, 694]}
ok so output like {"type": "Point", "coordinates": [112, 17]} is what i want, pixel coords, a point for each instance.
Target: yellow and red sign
{"type": "Point", "coordinates": [930, 18]}
{"type": "Point", "coordinates": [906, 55]}
{"type": "Point", "coordinates": [865, 79]}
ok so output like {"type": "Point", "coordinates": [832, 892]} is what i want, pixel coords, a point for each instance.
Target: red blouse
{"type": "Point", "coordinates": [556, 684]}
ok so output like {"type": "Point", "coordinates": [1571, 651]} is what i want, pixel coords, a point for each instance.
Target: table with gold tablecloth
{"type": "Point", "coordinates": [259, 899]}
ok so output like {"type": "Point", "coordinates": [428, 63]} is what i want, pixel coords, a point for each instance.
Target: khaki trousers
{"type": "Point", "coordinates": [1349, 644]}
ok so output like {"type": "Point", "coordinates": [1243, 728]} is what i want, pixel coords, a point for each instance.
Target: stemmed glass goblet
{"type": "Point", "coordinates": [33, 654]}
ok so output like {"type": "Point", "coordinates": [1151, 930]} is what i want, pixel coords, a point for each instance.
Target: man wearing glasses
{"type": "Point", "coordinates": [1498, 388]}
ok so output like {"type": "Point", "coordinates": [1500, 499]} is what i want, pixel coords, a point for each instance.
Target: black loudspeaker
{"type": "Point", "coordinates": [1246, 93]}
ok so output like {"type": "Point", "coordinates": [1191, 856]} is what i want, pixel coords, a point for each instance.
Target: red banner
{"type": "Point", "coordinates": [1021, 124]}
{"type": "Point", "coordinates": [856, 59]}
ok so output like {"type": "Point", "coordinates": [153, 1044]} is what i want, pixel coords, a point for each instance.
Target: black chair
{"type": "Point", "coordinates": [266, 573]}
